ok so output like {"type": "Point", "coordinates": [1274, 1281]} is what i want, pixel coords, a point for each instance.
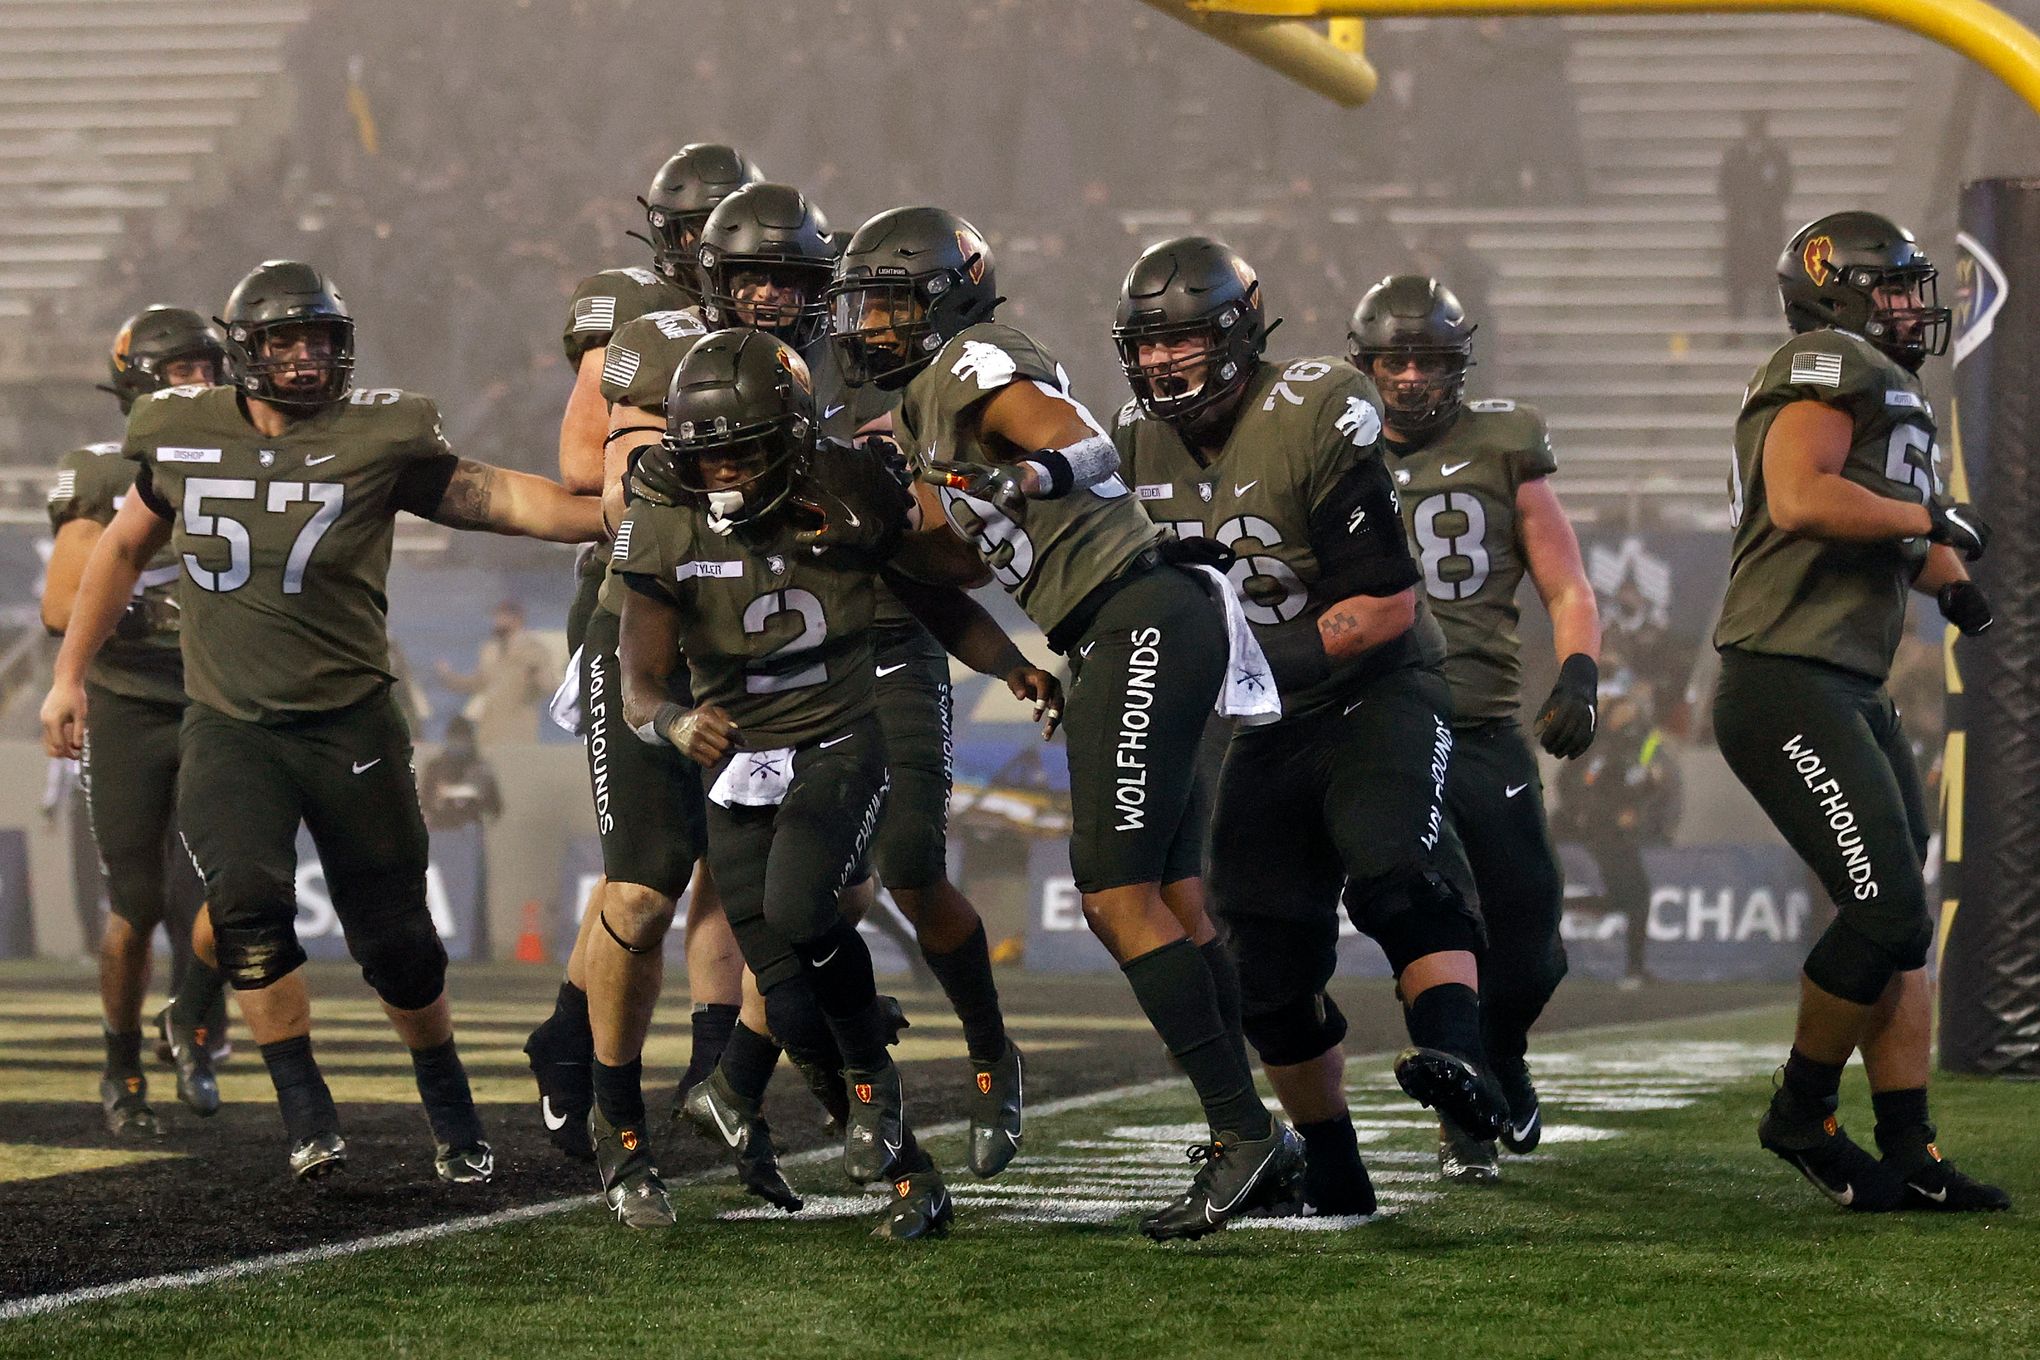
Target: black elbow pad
{"type": "Point", "coordinates": [1356, 533]}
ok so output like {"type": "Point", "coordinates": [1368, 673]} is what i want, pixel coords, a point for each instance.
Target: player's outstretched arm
{"type": "Point", "coordinates": [136, 534]}
{"type": "Point", "coordinates": [1360, 623]}
{"type": "Point", "coordinates": [1051, 447]}
{"type": "Point", "coordinates": [1566, 722]}
{"type": "Point", "coordinates": [478, 496]}
{"type": "Point", "coordinates": [968, 632]}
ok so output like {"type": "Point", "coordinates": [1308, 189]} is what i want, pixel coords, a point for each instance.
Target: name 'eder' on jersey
{"type": "Point", "coordinates": [1841, 603]}
{"type": "Point", "coordinates": [285, 541]}
{"type": "Point", "coordinates": [1051, 553]}
{"type": "Point", "coordinates": [1304, 427]}
{"type": "Point", "coordinates": [1459, 506]}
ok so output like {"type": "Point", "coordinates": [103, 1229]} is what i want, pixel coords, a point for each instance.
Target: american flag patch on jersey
{"type": "Point", "coordinates": [66, 487]}
{"type": "Point", "coordinates": [1815, 367]}
{"type": "Point", "coordinates": [595, 314]}
{"type": "Point", "coordinates": [620, 366]}
{"type": "Point", "coordinates": [621, 548]}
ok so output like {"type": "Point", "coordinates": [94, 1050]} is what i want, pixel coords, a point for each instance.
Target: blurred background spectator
{"type": "Point", "coordinates": [516, 671]}
{"type": "Point", "coordinates": [1755, 182]}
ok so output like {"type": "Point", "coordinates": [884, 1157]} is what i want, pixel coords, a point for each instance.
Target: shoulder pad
{"type": "Point", "coordinates": [1491, 405]}
{"type": "Point", "coordinates": [103, 449]}
{"type": "Point", "coordinates": [677, 324]}
{"type": "Point", "coordinates": [1130, 413]}
{"type": "Point", "coordinates": [638, 274]}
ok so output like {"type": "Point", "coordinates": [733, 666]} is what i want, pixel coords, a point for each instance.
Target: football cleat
{"type": "Point", "coordinates": [124, 1100]}
{"type": "Point", "coordinates": [920, 1207]}
{"type": "Point", "coordinates": [1935, 1185]}
{"type": "Point", "coordinates": [630, 1182]}
{"type": "Point", "coordinates": [1457, 1089]}
{"type": "Point", "coordinates": [1836, 1164]}
{"type": "Point", "coordinates": [472, 1165]}
{"type": "Point", "coordinates": [995, 1113]}
{"type": "Point", "coordinates": [876, 1132]}
{"type": "Point", "coordinates": [1235, 1176]}
{"type": "Point", "coordinates": [828, 1090]}
{"type": "Point", "coordinates": [319, 1156]}
{"type": "Point", "coordinates": [1523, 1130]}
{"type": "Point", "coordinates": [722, 1116]}
{"type": "Point", "coordinates": [197, 1087]}
{"type": "Point", "coordinates": [566, 1092]}
{"type": "Point", "coordinates": [1464, 1158]}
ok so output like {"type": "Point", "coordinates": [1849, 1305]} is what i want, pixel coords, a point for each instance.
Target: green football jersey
{"type": "Point", "coordinates": [142, 660]}
{"type": "Point", "coordinates": [604, 302]}
{"type": "Point", "coordinates": [1842, 603]}
{"type": "Point", "coordinates": [777, 635]}
{"type": "Point", "coordinates": [1303, 427]}
{"type": "Point", "coordinates": [643, 352]}
{"type": "Point", "coordinates": [1051, 553]}
{"type": "Point", "coordinates": [1459, 505]}
{"type": "Point", "coordinates": [285, 542]}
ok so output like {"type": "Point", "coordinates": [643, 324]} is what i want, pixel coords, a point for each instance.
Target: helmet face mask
{"type": "Point", "coordinates": [1422, 401]}
{"type": "Point", "coordinates": [677, 205]}
{"type": "Point", "coordinates": [1863, 273]}
{"type": "Point", "coordinates": [766, 261]}
{"type": "Point", "coordinates": [676, 239]}
{"type": "Point", "coordinates": [1189, 331]}
{"type": "Point", "coordinates": [907, 282]}
{"type": "Point", "coordinates": [740, 429]}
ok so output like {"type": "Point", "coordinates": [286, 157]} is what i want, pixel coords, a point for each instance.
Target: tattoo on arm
{"type": "Point", "coordinates": [1337, 623]}
{"type": "Point", "coordinates": [466, 501]}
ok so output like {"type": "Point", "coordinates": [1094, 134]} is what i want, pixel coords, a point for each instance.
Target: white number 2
{"type": "Point", "coordinates": [814, 630]}
{"type": "Point", "coordinates": [234, 532]}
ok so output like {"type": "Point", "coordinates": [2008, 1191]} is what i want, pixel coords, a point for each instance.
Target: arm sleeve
{"type": "Point", "coordinates": [1535, 459]}
{"type": "Point", "coordinates": [431, 463]}
{"type": "Point", "coordinates": [1356, 533]}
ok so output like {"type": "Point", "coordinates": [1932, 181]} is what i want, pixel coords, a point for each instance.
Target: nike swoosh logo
{"type": "Point", "coordinates": [884, 671]}
{"type": "Point", "coordinates": [1350, 707]}
{"type": "Point", "coordinates": [555, 1122]}
{"type": "Point", "coordinates": [837, 741]}
{"type": "Point", "coordinates": [731, 1136]}
{"type": "Point", "coordinates": [892, 1149]}
{"type": "Point", "coordinates": [1241, 489]}
{"type": "Point", "coordinates": [854, 521]}
{"type": "Point", "coordinates": [1513, 790]}
{"type": "Point", "coordinates": [1451, 468]}
{"type": "Point", "coordinates": [1531, 1123]}
{"type": "Point", "coordinates": [322, 458]}
{"type": "Point", "coordinates": [1844, 1196]}
{"type": "Point", "coordinates": [361, 765]}
{"type": "Point", "coordinates": [823, 961]}
{"type": "Point", "coordinates": [1938, 1196]}
{"type": "Point", "coordinates": [1085, 650]}
{"type": "Point", "coordinates": [828, 414]}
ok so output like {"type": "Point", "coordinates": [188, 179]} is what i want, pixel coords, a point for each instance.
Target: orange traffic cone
{"type": "Point", "coordinates": [530, 944]}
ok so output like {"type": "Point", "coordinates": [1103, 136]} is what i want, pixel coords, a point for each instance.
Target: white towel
{"type": "Point", "coordinates": [754, 779]}
{"type": "Point", "coordinates": [1249, 692]}
{"type": "Point", "coordinates": [564, 708]}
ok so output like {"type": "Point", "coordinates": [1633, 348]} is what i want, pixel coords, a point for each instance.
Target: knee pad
{"type": "Point", "coordinates": [401, 957]}
{"type": "Point", "coordinates": [1296, 1031]}
{"type": "Point", "coordinates": [799, 1027]}
{"type": "Point", "coordinates": [1845, 962]}
{"type": "Point", "coordinates": [1414, 912]}
{"type": "Point", "coordinates": [253, 936]}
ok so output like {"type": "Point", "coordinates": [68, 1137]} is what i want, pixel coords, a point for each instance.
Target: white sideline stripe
{"type": "Point", "coordinates": [38, 1304]}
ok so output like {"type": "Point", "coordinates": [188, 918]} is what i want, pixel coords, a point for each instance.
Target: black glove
{"type": "Point", "coordinates": [889, 457]}
{"type": "Point", "coordinates": [1963, 604]}
{"type": "Point", "coordinates": [1197, 551]}
{"type": "Point", "coordinates": [998, 485]}
{"type": "Point", "coordinates": [1960, 527]}
{"type": "Point", "coordinates": [824, 521]}
{"type": "Point", "coordinates": [653, 474]}
{"type": "Point", "coordinates": [144, 618]}
{"type": "Point", "coordinates": [1565, 725]}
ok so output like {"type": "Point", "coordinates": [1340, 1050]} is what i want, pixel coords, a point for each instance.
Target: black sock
{"type": "Point", "coordinates": [443, 1087]}
{"type": "Point", "coordinates": [569, 1021]}
{"type": "Point", "coordinates": [1334, 1178]}
{"type": "Point", "coordinates": [198, 997]}
{"type": "Point", "coordinates": [124, 1051]}
{"type": "Point", "coordinates": [1174, 988]}
{"type": "Point", "coordinates": [1225, 980]}
{"type": "Point", "coordinates": [965, 973]}
{"type": "Point", "coordinates": [839, 970]}
{"type": "Point", "coordinates": [301, 1092]}
{"type": "Point", "coordinates": [1812, 1089]}
{"type": "Point", "coordinates": [1903, 1129]}
{"type": "Point", "coordinates": [709, 1026]}
{"type": "Point", "coordinates": [747, 1062]}
{"type": "Point", "coordinates": [1447, 1017]}
{"type": "Point", "coordinates": [620, 1093]}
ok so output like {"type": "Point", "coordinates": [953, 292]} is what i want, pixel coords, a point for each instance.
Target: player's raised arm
{"type": "Point", "coordinates": [137, 533]}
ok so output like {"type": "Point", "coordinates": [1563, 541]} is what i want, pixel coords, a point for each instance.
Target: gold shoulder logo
{"type": "Point", "coordinates": [1820, 250]}
{"type": "Point", "coordinates": [790, 360]}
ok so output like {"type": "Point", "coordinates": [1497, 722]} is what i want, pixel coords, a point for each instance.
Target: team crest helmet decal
{"type": "Point", "coordinates": [790, 360]}
{"type": "Point", "coordinates": [973, 250]}
{"type": "Point", "coordinates": [121, 344]}
{"type": "Point", "coordinates": [1820, 250]}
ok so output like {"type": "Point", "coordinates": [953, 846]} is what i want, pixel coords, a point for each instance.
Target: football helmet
{"type": "Point", "coordinates": [908, 280]}
{"type": "Point", "coordinates": [150, 341]}
{"type": "Point", "coordinates": [1862, 272]}
{"type": "Point", "coordinates": [1191, 290]}
{"type": "Point", "coordinates": [686, 189]}
{"type": "Point", "coordinates": [768, 237]}
{"type": "Point", "coordinates": [1409, 315]}
{"type": "Point", "coordinates": [740, 429]}
{"type": "Point", "coordinates": [288, 300]}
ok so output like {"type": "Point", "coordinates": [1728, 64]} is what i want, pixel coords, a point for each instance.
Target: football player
{"type": "Point", "coordinates": [561, 1050]}
{"type": "Point", "coordinates": [1479, 511]}
{"type": "Point", "coordinates": [1281, 464]}
{"type": "Point", "coordinates": [1031, 481]}
{"type": "Point", "coordinates": [752, 552]}
{"type": "Point", "coordinates": [766, 261]}
{"type": "Point", "coordinates": [1838, 510]}
{"type": "Point", "coordinates": [136, 687]}
{"type": "Point", "coordinates": [280, 496]}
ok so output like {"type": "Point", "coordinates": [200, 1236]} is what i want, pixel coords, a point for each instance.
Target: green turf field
{"type": "Point", "coordinates": [1650, 1223]}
